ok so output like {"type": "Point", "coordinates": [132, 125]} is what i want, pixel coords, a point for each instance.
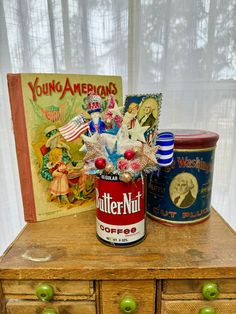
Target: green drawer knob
{"type": "Point", "coordinates": [210, 291]}
{"type": "Point", "coordinates": [128, 305]}
{"type": "Point", "coordinates": [49, 311]}
{"type": "Point", "coordinates": [208, 310]}
{"type": "Point", "coordinates": [44, 292]}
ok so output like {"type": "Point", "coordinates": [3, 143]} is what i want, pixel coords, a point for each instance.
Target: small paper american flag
{"type": "Point", "coordinates": [74, 128]}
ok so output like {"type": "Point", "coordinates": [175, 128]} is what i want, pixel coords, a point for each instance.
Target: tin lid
{"type": "Point", "coordinates": [194, 139]}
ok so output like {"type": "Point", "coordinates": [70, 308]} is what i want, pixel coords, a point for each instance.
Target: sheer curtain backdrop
{"type": "Point", "coordinates": [185, 49]}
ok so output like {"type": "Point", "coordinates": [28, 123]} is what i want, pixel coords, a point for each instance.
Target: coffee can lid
{"type": "Point", "coordinates": [193, 139]}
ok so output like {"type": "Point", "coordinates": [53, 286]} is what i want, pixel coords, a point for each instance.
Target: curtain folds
{"type": "Point", "coordinates": [185, 49]}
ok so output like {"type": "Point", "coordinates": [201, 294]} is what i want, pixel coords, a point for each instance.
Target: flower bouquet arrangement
{"type": "Point", "coordinates": [119, 147]}
{"type": "Point", "coordinates": [111, 146]}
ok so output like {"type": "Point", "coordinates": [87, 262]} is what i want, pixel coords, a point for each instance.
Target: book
{"type": "Point", "coordinates": [51, 167]}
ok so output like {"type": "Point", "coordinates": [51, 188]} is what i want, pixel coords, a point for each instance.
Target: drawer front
{"type": "Point", "coordinates": [141, 291]}
{"type": "Point", "coordinates": [36, 307]}
{"type": "Point", "coordinates": [27, 288]}
{"type": "Point", "coordinates": [192, 288]}
{"type": "Point", "coordinates": [193, 307]}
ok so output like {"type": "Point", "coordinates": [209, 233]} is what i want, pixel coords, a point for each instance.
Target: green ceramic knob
{"type": "Point", "coordinates": [210, 291]}
{"type": "Point", "coordinates": [208, 310]}
{"type": "Point", "coordinates": [44, 292]}
{"type": "Point", "coordinates": [49, 311]}
{"type": "Point", "coordinates": [128, 305]}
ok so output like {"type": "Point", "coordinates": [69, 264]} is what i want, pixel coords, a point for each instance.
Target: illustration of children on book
{"type": "Point", "coordinates": [53, 141]}
{"type": "Point", "coordinates": [81, 184]}
{"type": "Point", "coordinates": [59, 186]}
{"type": "Point", "coordinates": [66, 176]}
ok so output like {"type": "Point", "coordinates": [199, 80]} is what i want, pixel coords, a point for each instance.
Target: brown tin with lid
{"type": "Point", "coordinates": [181, 192]}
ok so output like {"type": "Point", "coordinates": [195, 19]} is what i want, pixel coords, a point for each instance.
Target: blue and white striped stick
{"type": "Point", "coordinates": [165, 141]}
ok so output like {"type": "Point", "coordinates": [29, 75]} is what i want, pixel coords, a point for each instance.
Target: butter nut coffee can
{"type": "Point", "coordinates": [120, 211]}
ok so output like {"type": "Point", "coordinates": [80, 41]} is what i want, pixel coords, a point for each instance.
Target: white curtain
{"type": "Point", "coordinates": [183, 48]}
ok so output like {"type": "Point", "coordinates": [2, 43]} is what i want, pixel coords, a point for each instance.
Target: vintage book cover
{"type": "Point", "coordinates": [53, 181]}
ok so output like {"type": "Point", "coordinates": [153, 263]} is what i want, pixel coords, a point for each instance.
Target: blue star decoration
{"type": "Point", "coordinates": [113, 156]}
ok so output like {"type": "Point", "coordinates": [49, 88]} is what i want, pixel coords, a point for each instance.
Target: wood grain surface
{"type": "Point", "coordinates": [67, 248]}
{"type": "Point", "coordinates": [60, 287]}
{"type": "Point", "coordinates": [193, 307]}
{"type": "Point", "coordinates": [143, 292]}
{"type": "Point", "coordinates": [192, 288]}
{"type": "Point", "coordinates": [2, 301]}
{"type": "Point", "coordinates": [34, 307]}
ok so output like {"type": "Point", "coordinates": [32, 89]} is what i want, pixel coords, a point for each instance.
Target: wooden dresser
{"type": "Point", "coordinates": [58, 266]}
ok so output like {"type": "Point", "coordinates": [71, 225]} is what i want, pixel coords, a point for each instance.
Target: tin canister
{"type": "Point", "coordinates": [120, 211]}
{"type": "Point", "coordinates": [181, 192]}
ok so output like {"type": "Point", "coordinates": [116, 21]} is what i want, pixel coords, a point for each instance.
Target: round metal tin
{"type": "Point", "coordinates": [120, 211]}
{"type": "Point", "coordinates": [181, 193]}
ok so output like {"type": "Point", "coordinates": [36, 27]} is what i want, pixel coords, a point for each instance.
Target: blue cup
{"type": "Point", "coordinates": [165, 152]}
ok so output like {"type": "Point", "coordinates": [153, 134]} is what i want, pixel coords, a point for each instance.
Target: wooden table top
{"type": "Point", "coordinates": [67, 248]}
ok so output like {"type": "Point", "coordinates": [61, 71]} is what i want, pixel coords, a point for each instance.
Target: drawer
{"type": "Point", "coordinates": [193, 307]}
{"type": "Point", "coordinates": [192, 288]}
{"type": "Point", "coordinates": [142, 292]}
{"type": "Point", "coordinates": [26, 289]}
{"type": "Point", "coordinates": [37, 307]}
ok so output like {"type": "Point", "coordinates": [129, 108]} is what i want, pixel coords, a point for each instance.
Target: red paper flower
{"type": "Point", "coordinates": [118, 121]}
{"type": "Point", "coordinates": [122, 164]}
{"type": "Point", "coordinates": [135, 165]}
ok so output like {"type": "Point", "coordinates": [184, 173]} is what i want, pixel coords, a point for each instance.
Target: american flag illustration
{"type": "Point", "coordinates": [74, 128]}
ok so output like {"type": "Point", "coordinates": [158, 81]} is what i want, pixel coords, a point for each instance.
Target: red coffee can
{"type": "Point", "coordinates": [120, 211]}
